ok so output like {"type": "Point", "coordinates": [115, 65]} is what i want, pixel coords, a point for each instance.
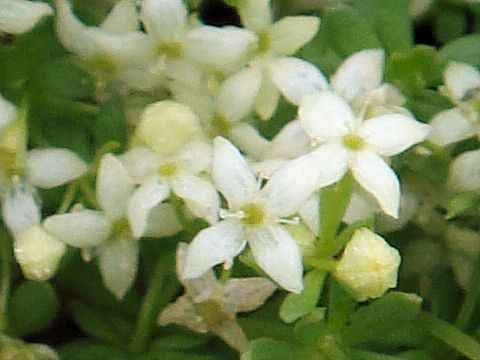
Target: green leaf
{"type": "Point", "coordinates": [33, 306]}
{"type": "Point", "coordinates": [111, 125]}
{"type": "Point", "coordinates": [427, 103]}
{"type": "Point", "coordinates": [269, 349]}
{"type": "Point", "coordinates": [178, 341]}
{"type": "Point", "coordinates": [390, 320]}
{"type": "Point", "coordinates": [450, 23]}
{"type": "Point", "coordinates": [344, 237]}
{"type": "Point", "coordinates": [461, 203]}
{"type": "Point", "coordinates": [94, 322]}
{"type": "Point", "coordinates": [368, 355]}
{"type": "Point", "coordinates": [297, 305]}
{"type": "Point", "coordinates": [391, 21]}
{"type": "Point", "coordinates": [340, 306]}
{"type": "Point", "coordinates": [465, 49]}
{"type": "Point", "coordinates": [347, 31]}
{"type": "Point", "coordinates": [90, 350]}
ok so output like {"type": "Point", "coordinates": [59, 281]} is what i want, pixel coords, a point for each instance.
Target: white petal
{"type": "Point", "coordinates": [19, 16]}
{"type": "Point", "coordinates": [199, 195]}
{"type": "Point", "coordinates": [163, 222]}
{"type": "Point", "coordinates": [196, 156]}
{"type": "Point", "coordinates": [393, 133]}
{"type": "Point", "coordinates": [256, 15]}
{"type": "Point", "coordinates": [242, 295]}
{"type": "Point", "coordinates": [459, 78]}
{"type": "Point", "coordinates": [277, 253]}
{"type": "Point", "coordinates": [359, 74]}
{"type": "Point", "coordinates": [290, 186]}
{"type": "Point", "coordinates": [231, 173]}
{"type": "Point", "coordinates": [267, 99]}
{"type": "Point", "coordinates": [248, 140]}
{"type": "Point", "coordinates": [8, 113]}
{"type": "Point", "coordinates": [212, 246]}
{"type": "Point", "coordinates": [184, 70]}
{"type": "Point", "coordinates": [50, 167]}
{"type": "Point", "coordinates": [465, 171]}
{"type": "Point", "coordinates": [114, 187]}
{"type": "Point", "coordinates": [81, 229]}
{"type": "Point", "coordinates": [122, 19]}
{"type": "Point", "coordinates": [118, 261]}
{"type": "Point", "coordinates": [182, 312]}
{"type": "Point", "coordinates": [220, 47]}
{"type": "Point", "coordinates": [310, 213]}
{"type": "Point", "coordinates": [140, 163]}
{"type": "Point", "coordinates": [375, 176]}
{"type": "Point", "coordinates": [237, 94]}
{"type": "Point", "coordinates": [331, 162]}
{"type": "Point", "coordinates": [325, 115]}
{"type": "Point", "coordinates": [292, 141]}
{"type": "Point", "coordinates": [292, 32]}
{"type": "Point", "coordinates": [20, 210]}
{"type": "Point", "coordinates": [296, 78]}
{"type": "Point", "coordinates": [450, 126]}
{"type": "Point", "coordinates": [359, 208]}
{"type": "Point", "coordinates": [164, 19]}
{"type": "Point", "coordinates": [142, 201]}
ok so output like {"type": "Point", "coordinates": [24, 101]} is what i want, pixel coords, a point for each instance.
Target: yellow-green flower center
{"type": "Point", "coordinates": [168, 170]}
{"type": "Point", "coordinates": [254, 214]}
{"type": "Point", "coordinates": [170, 49]}
{"type": "Point", "coordinates": [353, 142]}
{"type": "Point", "coordinates": [264, 43]}
{"type": "Point", "coordinates": [121, 228]}
{"type": "Point", "coordinates": [219, 126]}
{"type": "Point", "coordinates": [104, 63]}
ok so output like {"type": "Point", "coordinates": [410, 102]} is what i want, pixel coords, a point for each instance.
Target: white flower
{"type": "Point", "coordinates": [211, 305]}
{"type": "Point", "coordinates": [20, 16]}
{"type": "Point", "coordinates": [464, 172]}
{"type": "Point", "coordinates": [254, 215]}
{"type": "Point", "coordinates": [348, 142]}
{"type": "Point", "coordinates": [8, 113]}
{"type": "Point", "coordinates": [462, 87]}
{"type": "Point", "coordinates": [369, 266]}
{"type": "Point", "coordinates": [110, 229]}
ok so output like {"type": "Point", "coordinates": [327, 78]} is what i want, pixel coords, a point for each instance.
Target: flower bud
{"type": "Point", "coordinates": [166, 126]}
{"type": "Point", "coordinates": [368, 266]}
{"type": "Point", "coordinates": [38, 253]}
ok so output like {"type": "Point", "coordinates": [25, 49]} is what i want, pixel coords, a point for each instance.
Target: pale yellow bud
{"type": "Point", "coordinates": [38, 253]}
{"type": "Point", "coordinates": [13, 146]}
{"type": "Point", "coordinates": [166, 126]}
{"type": "Point", "coordinates": [369, 265]}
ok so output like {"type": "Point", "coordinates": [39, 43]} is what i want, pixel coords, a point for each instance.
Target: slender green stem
{"type": "Point", "coordinates": [451, 335]}
{"type": "Point", "coordinates": [104, 149]}
{"type": "Point", "coordinates": [471, 298]}
{"type": "Point", "coordinates": [89, 193]}
{"type": "Point", "coordinates": [68, 198]}
{"type": "Point", "coordinates": [159, 293]}
{"type": "Point", "coordinates": [6, 272]}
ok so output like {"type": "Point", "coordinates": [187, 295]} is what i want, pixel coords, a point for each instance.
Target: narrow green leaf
{"type": "Point", "coordinates": [111, 125]}
{"type": "Point", "coordinates": [269, 349]}
{"type": "Point", "coordinates": [461, 203]}
{"type": "Point", "coordinates": [178, 341]}
{"type": "Point", "coordinates": [344, 237]}
{"type": "Point", "coordinates": [450, 23]}
{"type": "Point", "coordinates": [465, 49]}
{"type": "Point", "coordinates": [340, 306]}
{"type": "Point", "coordinates": [297, 305]}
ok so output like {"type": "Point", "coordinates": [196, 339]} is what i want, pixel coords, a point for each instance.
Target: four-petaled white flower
{"type": "Point", "coordinates": [20, 16]}
{"type": "Point", "coordinates": [255, 215]}
{"type": "Point", "coordinates": [348, 142]}
{"type": "Point", "coordinates": [211, 305]}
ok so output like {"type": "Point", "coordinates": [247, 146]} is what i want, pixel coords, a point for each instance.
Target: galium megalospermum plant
{"type": "Point", "coordinates": [246, 179]}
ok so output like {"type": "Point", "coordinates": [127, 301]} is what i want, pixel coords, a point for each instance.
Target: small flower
{"type": "Point", "coordinates": [20, 16]}
{"type": "Point", "coordinates": [464, 172]}
{"type": "Point", "coordinates": [368, 265]}
{"type": "Point", "coordinates": [348, 142]}
{"type": "Point", "coordinates": [211, 305]}
{"type": "Point", "coordinates": [254, 215]}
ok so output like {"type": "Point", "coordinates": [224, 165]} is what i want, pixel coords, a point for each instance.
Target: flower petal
{"type": "Point", "coordinates": [292, 141]}
{"type": "Point", "coordinates": [140, 163]}
{"type": "Point", "coordinates": [237, 94]}
{"type": "Point", "coordinates": [249, 140]}
{"type": "Point", "coordinates": [277, 253]}
{"type": "Point", "coordinates": [164, 20]}
{"type": "Point", "coordinates": [214, 245]}
{"type": "Point", "coordinates": [231, 174]}
{"type": "Point", "coordinates": [8, 113]}
{"type": "Point", "coordinates": [182, 312]}
{"type": "Point", "coordinates": [290, 186]}
{"type": "Point", "coordinates": [50, 167]}
{"type": "Point", "coordinates": [360, 73]}
{"type": "Point", "coordinates": [450, 126]}
{"type": "Point", "coordinates": [142, 201]}
{"type": "Point", "coordinates": [465, 171]}
{"type": "Point", "coordinates": [256, 15]}
{"type": "Point", "coordinates": [267, 99]}
{"type": "Point", "coordinates": [459, 78]}
{"type": "Point", "coordinates": [200, 196]}
{"type": "Point", "coordinates": [292, 32]}
{"type": "Point", "coordinates": [310, 213]}
{"type": "Point", "coordinates": [19, 16]}
{"type": "Point", "coordinates": [393, 133]}
{"type": "Point", "coordinates": [296, 78]}
{"type": "Point", "coordinates": [20, 209]}
{"type": "Point", "coordinates": [163, 222]}
{"type": "Point", "coordinates": [122, 19]}
{"type": "Point", "coordinates": [331, 162]}
{"type": "Point", "coordinates": [325, 115]}
{"type": "Point", "coordinates": [81, 229]}
{"type": "Point", "coordinates": [375, 176]}
{"type": "Point", "coordinates": [114, 187]}
{"type": "Point", "coordinates": [220, 47]}
{"type": "Point", "coordinates": [360, 208]}
{"type": "Point", "coordinates": [196, 156]}
{"type": "Point", "coordinates": [242, 295]}
{"type": "Point", "coordinates": [118, 261]}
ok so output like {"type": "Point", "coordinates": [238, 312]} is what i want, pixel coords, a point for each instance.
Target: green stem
{"type": "Point", "coordinates": [68, 198]}
{"type": "Point", "coordinates": [89, 193]}
{"type": "Point", "coordinates": [5, 266]}
{"type": "Point", "coordinates": [451, 335]}
{"type": "Point", "coordinates": [159, 293]}
{"type": "Point", "coordinates": [470, 301]}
